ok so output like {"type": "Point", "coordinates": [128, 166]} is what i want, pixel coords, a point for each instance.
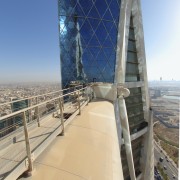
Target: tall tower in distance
{"type": "Point", "coordinates": [103, 41]}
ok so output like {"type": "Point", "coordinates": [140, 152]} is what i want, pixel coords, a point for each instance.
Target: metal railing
{"type": "Point", "coordinates": [10, 122]}
{"type": "Point", "coordinates": [22, 135]}
{"type": "Point", "coordinates": [36, 99]}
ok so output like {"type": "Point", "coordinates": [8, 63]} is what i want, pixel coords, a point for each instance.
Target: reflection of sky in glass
{"type": "Point", "coordinates": [63, 29]}
{"type": "Point", "coordinates": [93, 24]}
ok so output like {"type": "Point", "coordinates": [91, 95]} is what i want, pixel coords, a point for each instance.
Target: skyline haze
{"type": "Point", "coordinates": [29, 40]}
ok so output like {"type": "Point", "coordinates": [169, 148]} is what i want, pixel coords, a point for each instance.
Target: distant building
{"type": "Point", "coordinates": [157, 93]}
{"type": "Point", "coordinates": [16, 106]}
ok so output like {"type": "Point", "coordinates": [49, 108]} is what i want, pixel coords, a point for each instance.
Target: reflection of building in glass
{"type": "Point", "coordinates": [96, 29]}
{"type": "Point", "coordinates": [79, 64]}
{"type": "Point", "coordinates": [103, 41]}
{"type": "Point", "coordinates": [16, 106]}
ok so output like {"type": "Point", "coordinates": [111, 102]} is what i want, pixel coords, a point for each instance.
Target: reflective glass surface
{"type": "Point", "coordinates": [88, 39]}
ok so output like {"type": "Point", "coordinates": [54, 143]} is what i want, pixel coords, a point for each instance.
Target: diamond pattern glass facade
{"type": "Point", "coordinates": [88, 39]}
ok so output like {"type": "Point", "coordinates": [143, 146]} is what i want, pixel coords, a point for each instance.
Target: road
{"type": "Point", "coordinates": [170, 167]}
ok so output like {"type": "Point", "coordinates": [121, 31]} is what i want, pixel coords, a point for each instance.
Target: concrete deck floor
{"type": "Point", "coordinates": [11, 156]}
{"type": "Point", "coordinates": [89, 149]}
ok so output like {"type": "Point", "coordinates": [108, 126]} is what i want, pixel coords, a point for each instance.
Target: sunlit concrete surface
{"type": "Point", "coordinates": [14, 153]}
{"type": "Point", "coordinates": [89, 149]}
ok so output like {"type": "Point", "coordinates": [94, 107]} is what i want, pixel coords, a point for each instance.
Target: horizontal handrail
{"type": "Point", "coordinates": [33, 97]}
{"type": "Point", "coordinates": [40, 104]}
{"type": "Point", "coordinates": [9, 127]}
{"type": "Point", "coordinates": [64, 104]}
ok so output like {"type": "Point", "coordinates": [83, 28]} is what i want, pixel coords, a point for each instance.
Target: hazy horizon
{"type": "Point", "coordinates": [29, 40]}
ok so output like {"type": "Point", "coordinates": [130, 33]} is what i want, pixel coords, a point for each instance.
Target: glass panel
{"type": "Point", "coordinates": [108, 15]}
{"type": "Point", "coordinates": [136, 120]}
{"type": "Point", "coordinates": [132, 68]}
{"type": "Point", "coordinates": [138, 127]}
{"type": "Point", "coordinates": [131, 22]}
{"type": "Point", "coordinates": [101, 7]}
{"type": "Point", "coordinates": [135, 110]}
{"type": "Point", "coordinates": [93, 12]}
{"type": "Point", "coordinates": [86, 5]}
{"type": "Point", "coordinates": [132, 71]}
{"type": "Point", "coordinates": [132, 46]}
{"type": "Point", "coordinates": [133, 100]}
{"type": "Point", "coordinates": [136, 141]}
{"type": "Point", "coordinates": [134, 91]}
{"type": "Point", "coordinates": [132, 57]}
{"type": "Point", "coordinates": [66, 7]}
{"type": "Point", "coordinates": [88, 39]}
{"type": "Point", "coordinates": [101, 32]}
{"type": "Point", "coordinates": [124, 162]}
{"type": "Point", "coordinates": [131, 78]}
{"type": "Point", "coordinates": [113, 38]}
{"type": "Point", "coordinates": [114, 8]}
{"type": "Point", "coordinates": [131, 34]}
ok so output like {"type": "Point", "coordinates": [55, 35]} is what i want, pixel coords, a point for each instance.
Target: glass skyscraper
{"type": "Point", "coordinates": [102, 41]}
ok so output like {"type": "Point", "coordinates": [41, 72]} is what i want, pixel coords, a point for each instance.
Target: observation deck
{"type": "Point", "coordinates": [72, 134]}
{"type": "Point", "coordinates": [75, 139]}
{"type": "Point", "coordinates": [89, 149]}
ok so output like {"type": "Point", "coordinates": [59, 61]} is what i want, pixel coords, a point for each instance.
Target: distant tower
{"type": "Point", "coordinates": [160, 78]}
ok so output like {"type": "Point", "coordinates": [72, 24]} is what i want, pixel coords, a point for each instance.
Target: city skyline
{"type": "Point", "coordinates": [29, 41]}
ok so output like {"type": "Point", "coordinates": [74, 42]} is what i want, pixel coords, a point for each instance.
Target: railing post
{"type": "Point", "coordinates": [37, 116]}
{"type": "Point", "coordinates": [61, 115]}
{"type": "Point", "coordinates": [91, 93]}
{"type": "Point", "coordinates": [79, 104]}
{"type": "Point", "coordinates": [87, 96]}
{"type": "Point", "coordinates": [62, 101]}
{"type": "Point", "coordinates": [28, 148]}
{"type": "Point", "coordinates": [30, 111]}
{"type": "Point", "coordinates": [36, 100]}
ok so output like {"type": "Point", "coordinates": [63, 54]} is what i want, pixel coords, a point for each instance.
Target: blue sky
{"type": "Point", "coordinates": [162, 37]}
{"type": "Point", "coordinates": [29, 46]}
